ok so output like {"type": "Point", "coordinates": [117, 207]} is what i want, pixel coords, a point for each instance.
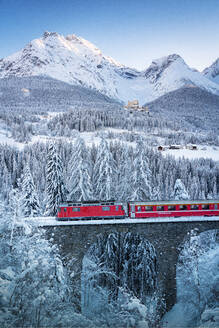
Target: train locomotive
{"type": "Point", "coordinates": [86, 210]}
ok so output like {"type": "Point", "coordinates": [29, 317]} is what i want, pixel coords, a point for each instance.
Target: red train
{"type": "Point", "coordinates": [134, 209]}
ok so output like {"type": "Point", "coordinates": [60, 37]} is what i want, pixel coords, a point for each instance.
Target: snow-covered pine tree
{"type": "Point", "coordinates": [214, 192]}
{"type": "Point", "coordinates": [40, 283]}
{"type": "Point", "coordinates": [6, 181]}
{"type": "Point", "coordinates": [54, 181]}
{"type": "Point", "coordinates": [159, 183]}
{"type": "Point", "coordinates": [179, 192]}
{"type": "Point", "coordinates": [117, 267]}
{"type": "Point", "coordinates": [105, 173]}
{"type": "Point", "coordinates": [125, 169]}
{"type": "Point", "coordinates": [15, 210]}
{"type": "Point", "coordinates": [141, 176]}
{"type": "Point", "coordinates": [194, 188]}
{"type": "Point", "coordinates": [189, 261]}
{"type": "Point", "coordinates": [29, 198]}
{"type": "Point", "coordinates": [80, 187]}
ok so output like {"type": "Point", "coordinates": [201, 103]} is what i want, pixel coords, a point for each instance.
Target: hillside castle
{"type": "Point", "coordinates": [134, 105]}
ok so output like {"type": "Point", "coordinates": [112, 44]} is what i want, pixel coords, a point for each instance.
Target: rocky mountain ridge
{"type": "Point", "coordinates": [212, 72]}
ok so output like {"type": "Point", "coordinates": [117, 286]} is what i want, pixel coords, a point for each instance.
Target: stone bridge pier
{"type": "Point", "coordinates": [166, 237]}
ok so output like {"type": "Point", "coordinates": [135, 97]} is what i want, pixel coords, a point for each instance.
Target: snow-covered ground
{"type": "Point", "coordinates": [6, 139]}
{"type": "Point", "coordinates": [202, 151]}
{"type": "Point", "coordinates": [89, 138]}
{"type": "Point", "coordinates": [52, 221]}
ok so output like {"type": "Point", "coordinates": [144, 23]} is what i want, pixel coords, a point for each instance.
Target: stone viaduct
{"type": "Point", "coordinates": [167, 238]}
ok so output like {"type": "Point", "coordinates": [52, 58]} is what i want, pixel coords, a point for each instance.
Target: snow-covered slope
{"type": "Point", "coordinates": [190, 106]}
{"type": "Point", "coordinates": [171, 72]}
{"type": "Point", "coordinates": [76, 61]}
{"type": "Point", "coordinates": [212, 72]}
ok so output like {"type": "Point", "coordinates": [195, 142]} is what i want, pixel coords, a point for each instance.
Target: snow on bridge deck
{"type": "Point", "coordinates": [52, 221]}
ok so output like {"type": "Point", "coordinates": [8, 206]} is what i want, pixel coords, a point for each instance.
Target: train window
{"type": "Point", "coordinates": [59, 209]}
{"type": "Point", "coordinates": [65, 209]}
{"type": "Point", "coordinates": [160, 208]}
{"type": "Point", "coordinates": [117, 207]}
{"type": "Point", "coordinates": [215, 206]}
{"type": "Point", "coordinates": [139, 208]}
{"type": "Point", "coordinates": [76, 209]}
{"type": "Point", "coordinates": [182, 207]}
{"type": "Point", "coordinates": [149, 208]}
{"type": "Point", "coordinates": [171, 207]}
{"type": "Point", "coordinates": [105, 208]}
{"type": "Point", "coordinates": [205, 206]}
{"type": "Point", "coordinates": [194, 207]}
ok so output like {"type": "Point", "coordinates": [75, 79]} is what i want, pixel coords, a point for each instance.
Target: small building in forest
{"type": "Point", "coordinates": [191, 147]}
{"type": "Point", "coordinates": [134, 105]}
{"type": "Point", "coordinates": [162, 148]}
{"type": "Point", "coordinates": [175, 147]}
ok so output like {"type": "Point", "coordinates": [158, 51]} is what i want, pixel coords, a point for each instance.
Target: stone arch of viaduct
{"type": "Point", "coordinates": [167, 237]}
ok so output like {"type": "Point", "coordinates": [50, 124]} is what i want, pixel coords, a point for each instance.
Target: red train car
{"type": "Point", "coordinates": [91, 210]}
{"type": "Point", "coordinates": [173, 208]}
{"type": "Point", "coordinates": [135, 209]}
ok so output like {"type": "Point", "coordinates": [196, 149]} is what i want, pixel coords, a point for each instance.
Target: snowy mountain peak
{"type": "Point", "coordinates": [70, 42]}
{"type": "Point", "coordinates": [53, 49]}
{"type": "Point", "coordinates": [49, 34]}
{"type": "Point", "coordinates": [71, 59]}
{"type": "Point", "coordinates": [158, 66]}
{"type": "Point", "coordinates": [167, 60]}
{"type": "Point", "coordinates": [84, 42]}
{"type": "Point", "coordinates": [212, 72]}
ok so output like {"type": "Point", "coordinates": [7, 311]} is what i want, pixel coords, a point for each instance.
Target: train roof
{"type": "Point", "coordinates": [90, 202]}
{"type": "Point", "coordinates": [174, 202]}
{"type": "Point", "coordinates": [148, 202]}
